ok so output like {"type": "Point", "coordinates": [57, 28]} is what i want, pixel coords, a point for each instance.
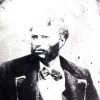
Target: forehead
{"type": "Point", "coordinates": [47, 26]}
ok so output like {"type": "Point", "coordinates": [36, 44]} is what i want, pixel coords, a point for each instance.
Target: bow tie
{"type": "Point", "coordinates": [56, 75]}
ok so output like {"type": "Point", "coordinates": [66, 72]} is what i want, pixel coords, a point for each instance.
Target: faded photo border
{"type": "Point", "coordinates": [83, 22]}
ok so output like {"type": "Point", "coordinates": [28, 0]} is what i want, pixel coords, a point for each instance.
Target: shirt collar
{"type": "Point", "coordinates": [55, 64]}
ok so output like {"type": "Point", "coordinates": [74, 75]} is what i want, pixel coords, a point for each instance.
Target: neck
{"type": "Point", "coordinates": [55, 63]}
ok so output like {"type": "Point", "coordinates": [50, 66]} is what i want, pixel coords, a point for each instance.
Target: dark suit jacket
{"type": "Point", "coordinates": [78, 81]}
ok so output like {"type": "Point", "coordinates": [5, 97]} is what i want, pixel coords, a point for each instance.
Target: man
{"type": "Point", "coordinates": [44, 74]}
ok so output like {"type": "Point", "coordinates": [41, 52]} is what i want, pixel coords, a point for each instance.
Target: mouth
{"type": "Point", "coordinates": [40, 51]}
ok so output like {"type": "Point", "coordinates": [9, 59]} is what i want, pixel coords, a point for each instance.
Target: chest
{"type": "Point", "coordinates": [29, 88]}
{"type": "Point", "coordinates": [51, 89]}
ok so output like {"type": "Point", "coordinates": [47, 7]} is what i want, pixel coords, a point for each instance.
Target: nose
{"type": "Point", "coordinates": [37, 45]}
{"type": "Point", "coordinates": [37, 40]}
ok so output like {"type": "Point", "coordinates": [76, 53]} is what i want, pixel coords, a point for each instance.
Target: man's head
{"type": "Point", "coordinates": [48, 37]}
{"type": "Point", "coordinates": [44, 19]}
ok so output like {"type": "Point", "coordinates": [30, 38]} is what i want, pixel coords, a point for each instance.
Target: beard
{"type": "Point", "coordinates": [49, 55]}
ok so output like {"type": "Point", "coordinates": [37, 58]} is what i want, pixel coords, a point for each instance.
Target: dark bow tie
{"type": "Point", "coordinates": [55, 74]}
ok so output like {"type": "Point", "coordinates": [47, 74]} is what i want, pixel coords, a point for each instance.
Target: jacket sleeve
{"type": "Point", "coordinates": [91, 93]}
{"type": "Point", "coordinates": [3, 89]}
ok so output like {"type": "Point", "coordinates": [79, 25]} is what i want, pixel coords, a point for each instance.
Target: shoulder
{"type": "Point", "coordinates": [15, 62]}
{"type": "Point", "coordinates": [19, 61]}
{"type": "Point", "coordinates": [80, 73]}
{"type": "Point", "coordinates": [75, 70]}
{"type": "Point", "coordinates": [16, 66]}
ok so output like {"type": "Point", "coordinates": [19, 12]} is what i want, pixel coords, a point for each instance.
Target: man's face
{"type": "Point", "coordinates": [45, 40]}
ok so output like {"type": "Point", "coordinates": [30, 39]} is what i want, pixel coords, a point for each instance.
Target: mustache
{"type": "Point", "coordinates": [40, 50]}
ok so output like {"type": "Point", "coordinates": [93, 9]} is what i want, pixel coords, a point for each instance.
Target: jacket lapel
{"type": "Point", "coordinates": [26, 87]}
{"type": "Point", "coordinates": [26, 83]}
{"type": "Point", "coordinates": [75, 88]}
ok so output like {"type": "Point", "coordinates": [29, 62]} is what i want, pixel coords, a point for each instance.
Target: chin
{"type": "Point", "coordinates": [41, 56]}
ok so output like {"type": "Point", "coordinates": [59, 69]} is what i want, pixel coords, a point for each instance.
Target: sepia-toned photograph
{"type": "Point", "coordinates": [49, 50]}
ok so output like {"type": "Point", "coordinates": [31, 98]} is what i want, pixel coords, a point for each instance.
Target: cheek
{"type": "Point", "coordinates": [45, 45]}
{"type": "Point", "coordinates": [49, 44]}
{"type": "Point", "coordinates": [33, 46]}
{"type": "Point", "coordinates": [53, 40]}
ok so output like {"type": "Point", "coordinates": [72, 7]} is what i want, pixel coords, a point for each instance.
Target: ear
{"type": "Point", "coordinates": [62, 41]}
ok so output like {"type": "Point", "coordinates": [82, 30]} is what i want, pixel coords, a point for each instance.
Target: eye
{"type": "Point", "coordinates": [34, 36]}
{"type": "Point", "coordinates": [45, 37]}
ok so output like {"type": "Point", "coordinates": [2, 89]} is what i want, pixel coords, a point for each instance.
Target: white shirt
{"type": "Point", "coordinates": [49, 88]}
